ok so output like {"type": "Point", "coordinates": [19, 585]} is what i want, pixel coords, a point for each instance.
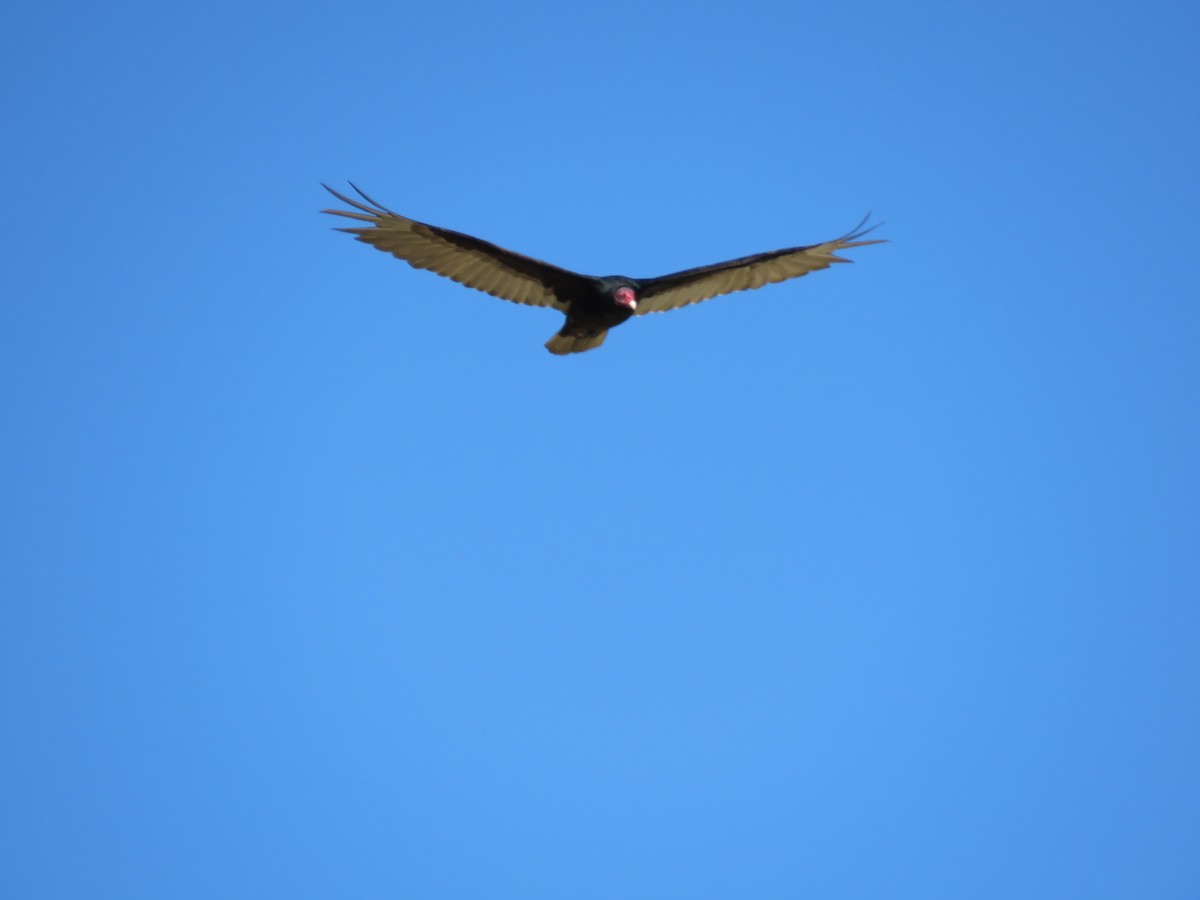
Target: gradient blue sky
{"type": "Point", "coordinates": [321, 578]}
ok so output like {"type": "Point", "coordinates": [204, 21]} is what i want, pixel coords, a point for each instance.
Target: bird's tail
{"type": "Point", "coordinates": [562, 344]}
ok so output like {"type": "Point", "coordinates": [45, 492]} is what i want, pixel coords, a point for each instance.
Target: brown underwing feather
{"type": "Point", "coordinates": [745, 273]}
{"type": "Point", "coordinates": [468, 260]}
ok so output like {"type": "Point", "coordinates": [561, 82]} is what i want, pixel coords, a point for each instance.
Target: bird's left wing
{"type": "Point", "coordinates": [460, 257]}
{"type": "Point", "coordinates": [694, 285]}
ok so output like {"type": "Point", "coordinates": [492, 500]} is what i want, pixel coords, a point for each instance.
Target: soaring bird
{"type": "Point", "coordinates": [592, 305]}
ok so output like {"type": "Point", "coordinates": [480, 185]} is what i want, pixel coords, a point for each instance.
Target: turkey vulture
{"type": "Point", "coordinates": [592, 305]}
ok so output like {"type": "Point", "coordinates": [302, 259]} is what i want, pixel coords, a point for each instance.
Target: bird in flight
{"type": "Point", "coordinates": [592, 305]}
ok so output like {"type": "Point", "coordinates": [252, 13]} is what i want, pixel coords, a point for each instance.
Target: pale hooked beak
{"type": "Point", "coordinates": [626, 297]}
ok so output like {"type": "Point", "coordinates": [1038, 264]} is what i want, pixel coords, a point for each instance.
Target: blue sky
{"type": "Point", "coordinates": [322, 578]}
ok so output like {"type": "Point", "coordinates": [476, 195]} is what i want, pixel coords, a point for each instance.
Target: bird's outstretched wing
{"type": "Point", "coordinates": [460, 257]}
{"type": "Point", "coordinates": [694, 285]}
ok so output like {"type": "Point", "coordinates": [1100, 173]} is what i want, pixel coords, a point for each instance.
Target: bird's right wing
{"type": "Point", "coordinates": [694, 285]}
{"type": "Point", "coordinates": [460, 257]}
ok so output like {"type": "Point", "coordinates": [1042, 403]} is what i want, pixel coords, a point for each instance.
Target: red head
{"type": "Point", "coordinates": [625, 296]}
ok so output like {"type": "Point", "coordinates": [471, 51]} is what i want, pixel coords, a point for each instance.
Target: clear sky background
{"type": "Point", "coordinates": [321, 578]}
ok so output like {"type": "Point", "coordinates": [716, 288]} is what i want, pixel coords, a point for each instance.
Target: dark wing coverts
{"type": "Point", "coordinates": [694, 285]}
{"type": "Point", "coordinates": [460, 257]}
